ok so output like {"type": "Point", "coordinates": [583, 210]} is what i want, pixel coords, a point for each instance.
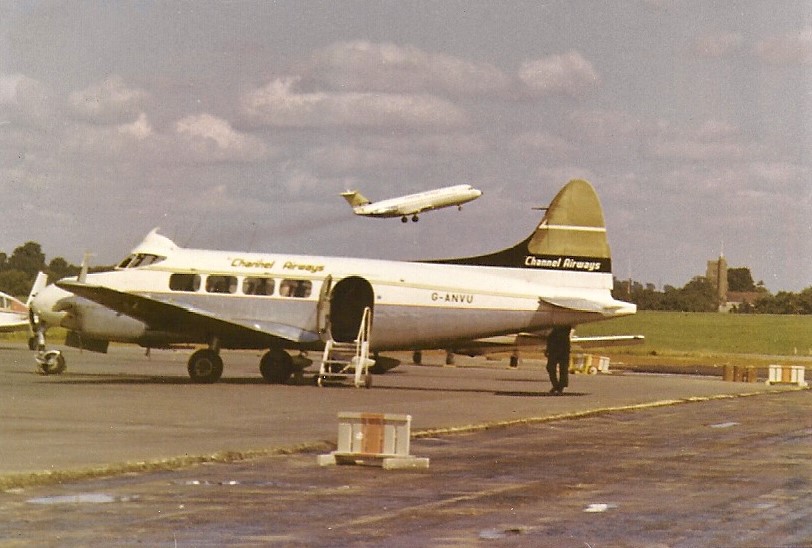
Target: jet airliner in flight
{"type": "Point", "coordinates": [412, 204]}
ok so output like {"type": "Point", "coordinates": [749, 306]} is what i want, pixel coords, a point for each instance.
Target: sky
{"type": "Point", "coordinates": [235, 125]}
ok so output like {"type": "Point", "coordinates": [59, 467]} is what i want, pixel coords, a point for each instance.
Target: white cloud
{"type": "Point", "coordinates": [366, 66]}
{"type": "Point", "coordinates": [27, 101]}
{"type": "Point", "coordinates": [793, 48]}
{"type": "Point", "coordinates": [716, 46]}
{"type": "Point", "coordinates": [370, 155]}
{"type": "Point", "coordinates": [712, 141]}
{"type": "Point", "coordinates": [546, 144]}
{"type": "Point", "coordinates": [140, 129]}
{"type": "Point", "coordinates": [108, 102]}
{"type": "Point", "coordinates": [280, 104]}
{"type": "Point", "coordinates": [200, 139]}
{"type": "Point", "coordinates": [8, 88]}
{"type": "Point", "coordinates": [603, 126]}
{"type": "Point", "coordinates": [210, 138]}
{"type": "Point", "coordinates": [568, 74]}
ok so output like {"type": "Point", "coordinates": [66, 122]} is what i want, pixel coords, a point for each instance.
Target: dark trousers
{"type": "Point", "coordinates": [559, 369]}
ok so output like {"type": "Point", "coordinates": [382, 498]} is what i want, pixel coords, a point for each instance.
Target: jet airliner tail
{"type": "Point", "coordinates": [355, 198]}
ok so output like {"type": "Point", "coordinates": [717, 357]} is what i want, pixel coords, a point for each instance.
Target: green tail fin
{"type": "Point", "coordinates": [571, 237]}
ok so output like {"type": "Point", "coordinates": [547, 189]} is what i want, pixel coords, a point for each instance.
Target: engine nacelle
{"type": "Point", "coordinates": [97, 322]}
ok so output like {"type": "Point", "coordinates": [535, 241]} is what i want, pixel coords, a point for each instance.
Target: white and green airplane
{"type": "Point", "coordinates": [162, 295]}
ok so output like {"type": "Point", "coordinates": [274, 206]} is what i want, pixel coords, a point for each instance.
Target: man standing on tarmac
{"type": "Point", "coordinates": [558, 358]}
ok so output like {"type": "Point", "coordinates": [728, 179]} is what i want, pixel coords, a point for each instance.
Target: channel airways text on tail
{"type": "Point", "coordinates": [412, 204]}
{"type": "Point", "coordinates": [162, 295]}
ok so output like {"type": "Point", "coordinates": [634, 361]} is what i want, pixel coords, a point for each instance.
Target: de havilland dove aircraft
{"type": "Point", "coordinates": [412, 204]}
{"type": "Point", "coordinates": [14, 312]}
{"type": "Point", "coordinates": [163, 295]}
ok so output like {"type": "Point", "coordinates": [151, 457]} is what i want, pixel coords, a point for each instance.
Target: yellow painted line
{"type": "Point", "coordinates": [31, 479]}
{"type": "Point", "coordinates": [431, 432]}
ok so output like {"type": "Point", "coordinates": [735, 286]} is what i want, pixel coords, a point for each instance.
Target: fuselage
{"type": "Point", "coordinates": [415, 305]}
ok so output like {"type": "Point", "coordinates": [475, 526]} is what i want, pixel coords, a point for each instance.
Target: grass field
{"type": "Point", "coordinates": [691, 337]}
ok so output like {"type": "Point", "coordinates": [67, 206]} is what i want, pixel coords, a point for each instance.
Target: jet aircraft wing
{"type": "Point", "coordinates": [163, 314]}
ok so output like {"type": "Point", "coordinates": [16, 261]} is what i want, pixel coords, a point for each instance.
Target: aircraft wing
{"type": "Point", "coordinates": [507, 343]}
{"type": "Point", "coordinates": [609, 340]}
{"type": "Point", "coordinates": [167, 315]}
{"type": "Point", "coordinates": [11, 326]}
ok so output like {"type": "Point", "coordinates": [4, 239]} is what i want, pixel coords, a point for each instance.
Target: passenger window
{"type": "Point", "coordinates": [295, 288]}
{"type": "Point", "coordinates": [184, 282]}
{"type": "Point", "coordinates": [258, 286]}
{"type": "Point", "coordinates": [221, 284]}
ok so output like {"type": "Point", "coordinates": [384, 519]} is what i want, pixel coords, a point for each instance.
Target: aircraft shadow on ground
{"type": "Point", "coordinates": [129, 379]}
{"type": "Point", "coordinates": [84, 379]}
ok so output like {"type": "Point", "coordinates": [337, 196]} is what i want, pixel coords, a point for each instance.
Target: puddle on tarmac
{"type": "Point", "coordinates": [82, 498]}
{"type": "Point", "coordinates": [495, 534]}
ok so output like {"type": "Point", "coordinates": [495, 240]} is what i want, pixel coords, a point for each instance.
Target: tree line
{"type": "Point", "coordinates": [18, 270]}
{"type": "Point", "coordinates": [700, 295]}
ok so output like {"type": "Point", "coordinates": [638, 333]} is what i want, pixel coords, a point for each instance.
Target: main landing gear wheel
{"type": "Point", "coordinates": [51, 363]}
{"type": "Point", "coordinates": [276, 366]}
{"type": "Point", "coordinates": [404, 219]}
{"type": "Point", "coordinates": [415, 219]}
{"type": "Point", "coordinates": [417, 357]}
{"type": "Point", "coordinates": [205, 366]}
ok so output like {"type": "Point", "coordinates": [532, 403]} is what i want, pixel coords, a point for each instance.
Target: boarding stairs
{"type": "Point", "coordinates": [343, 360]}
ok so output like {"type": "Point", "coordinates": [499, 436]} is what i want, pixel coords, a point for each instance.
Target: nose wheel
{"type": "Point", "coordinates": [51, 362]}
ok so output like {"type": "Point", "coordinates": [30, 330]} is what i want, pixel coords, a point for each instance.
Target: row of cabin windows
{"type": "Point", "coordinates": [216, 283]}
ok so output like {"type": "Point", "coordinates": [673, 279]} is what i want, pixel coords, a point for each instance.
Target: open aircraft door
{"type": "Point", "coordinates": [348, 299]}
{"type": "Point", "coordinates": [323, 309]}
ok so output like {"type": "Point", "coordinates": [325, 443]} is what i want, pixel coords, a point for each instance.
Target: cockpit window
{"type": "Point", "coordinates": [140, 259]}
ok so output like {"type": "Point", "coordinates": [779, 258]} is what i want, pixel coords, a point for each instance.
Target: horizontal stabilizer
{"type": "Point", "coordinates": [608, 308]}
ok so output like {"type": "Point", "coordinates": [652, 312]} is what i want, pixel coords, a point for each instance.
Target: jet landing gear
{"type": "Point", "coordinates": [405, 219]}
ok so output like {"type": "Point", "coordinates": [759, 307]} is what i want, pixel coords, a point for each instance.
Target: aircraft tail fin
{"type": "Point", "coordinates": [571, 237]}
{"type": "Point", "coordinates": [39, 284]}
{"type": "Point", "coordinates": [355, 198]}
